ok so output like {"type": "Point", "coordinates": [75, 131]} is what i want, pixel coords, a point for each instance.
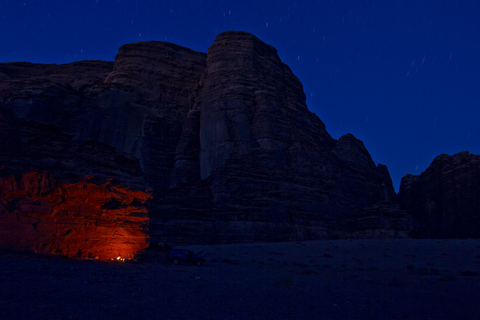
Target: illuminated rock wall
{"type": "Point", "coordinates": [82, 219]}
{"type": "Point", "coordinates": [64, 197]}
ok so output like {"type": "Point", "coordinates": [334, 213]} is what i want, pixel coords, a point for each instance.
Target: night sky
{"type": "Point", "coordinates": [402, 76]}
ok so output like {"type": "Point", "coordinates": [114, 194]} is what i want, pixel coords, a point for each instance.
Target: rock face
{"type": "Point", "coordinates": [81, 219]}
{"type": "Point", "coordinates": [445, 199]}
{"type": "Point", "coordinates": [258, 164]}
{"type": "Point", "coordinates": [223, 141]}
{"type": "Point", "coordinates": [71, 198]}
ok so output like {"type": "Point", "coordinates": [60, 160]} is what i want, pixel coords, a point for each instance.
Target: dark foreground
{"type": "Point", "coordinates": [343, 279]}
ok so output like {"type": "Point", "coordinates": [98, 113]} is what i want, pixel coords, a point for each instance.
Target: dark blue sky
{"type": "Point", "coordinates": [402, 76]}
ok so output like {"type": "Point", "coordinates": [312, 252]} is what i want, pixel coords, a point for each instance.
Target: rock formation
{"type": "Point", "coordinates": [224, 141]}
{"type": "Point", "coordinates": [445, 199]}
{"type": "Point", "coordinates": [258, 163]}
{"type": "Point", "coordinates": [81, 219]}
{"type": "Point", "coordinates": [70, 198]}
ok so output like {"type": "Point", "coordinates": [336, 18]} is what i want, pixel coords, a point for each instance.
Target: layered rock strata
{"type": "Point", "coordinates": [265, 166]}
{"type": "Point", "coordinates": [70, 198]}
{"type": "Point", "coordinates": [224, 140]}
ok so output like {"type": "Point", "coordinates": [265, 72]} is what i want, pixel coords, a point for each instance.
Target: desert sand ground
{"type": "Point", "coordinates": [336, 279]}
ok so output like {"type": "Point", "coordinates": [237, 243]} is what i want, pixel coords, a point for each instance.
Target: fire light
{"type": "Point", "coordinates": [118, 259]}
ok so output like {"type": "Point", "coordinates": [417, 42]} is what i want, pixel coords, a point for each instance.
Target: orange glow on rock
{"type": "Point", "coordinates": [82, 219]}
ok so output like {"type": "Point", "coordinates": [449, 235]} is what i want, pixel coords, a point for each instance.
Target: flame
{"type": "Point", "coordinates": [119, 259]}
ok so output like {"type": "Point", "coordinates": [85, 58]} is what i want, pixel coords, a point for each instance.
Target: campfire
{"type": "Point", "coordinates": [119, 259]}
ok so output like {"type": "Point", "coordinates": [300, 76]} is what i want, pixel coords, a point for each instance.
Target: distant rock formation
{"type": "Point", "coordinates": [445, 199]}
{"type": "Point", "coordinates": [223, 141]}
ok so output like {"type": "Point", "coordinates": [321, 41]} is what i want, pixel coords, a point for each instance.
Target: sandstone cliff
{"type": "Point", "coordinates": [224, 140]}
{"type": "Point", "coordinates": [271, 170]}
{"type": "Point", "coordinates": [445, 199]}
{"type": "Point", "coordinates": [82, 219]}
{"type": "Point", "coordinates": [71, 198]}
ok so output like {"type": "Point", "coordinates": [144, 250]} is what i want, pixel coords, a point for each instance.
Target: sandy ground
{"type": "Point", "coordinates": [341, 279]}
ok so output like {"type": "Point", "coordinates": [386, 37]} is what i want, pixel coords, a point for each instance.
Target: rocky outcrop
{"type": "Point", "coordinates": [162, 72]}
{"type": "Point", "coordinates": [136, 105]}
{"type": "Point", "coordinates": [24, 81]}
{"type": "Point", "coordinates": [224, 141]}
{"type": "Point", "coordinates": [71, 198]}
{"type": "Point", "coordinates": [264, 165]}
{"type": "Point", "coordinates": [81, 219]}
{"type": "Point", "coordinates": [445, 199]}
